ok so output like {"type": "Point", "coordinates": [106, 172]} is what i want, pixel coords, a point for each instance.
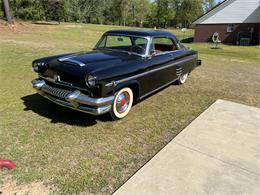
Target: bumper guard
{"type": "Point", "coordinates": [73, 99]}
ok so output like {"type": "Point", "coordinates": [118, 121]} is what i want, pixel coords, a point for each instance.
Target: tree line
{"type": "Point", "coordinates": [149, 13]}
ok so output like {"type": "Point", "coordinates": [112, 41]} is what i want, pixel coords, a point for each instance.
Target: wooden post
{"type": "Point", "coordinates": [7, 12]}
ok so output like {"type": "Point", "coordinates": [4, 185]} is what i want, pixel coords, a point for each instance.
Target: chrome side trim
{"type": "Point", "coordinates": [113, 83]}
{"type": "Point", "coordinates": [150, 71]}
{"type": "Point", "coordinates": [166, 52]}
{"type": "Point", "coordinates": [157, 89]}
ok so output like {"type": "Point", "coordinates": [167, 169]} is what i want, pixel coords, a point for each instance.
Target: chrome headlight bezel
{"type": "Point", "coordinates": [35, 67]}
{"type": "Point", "coordinates": [90, 81]}
{"type": "Point", "coordinates": [38, 66]}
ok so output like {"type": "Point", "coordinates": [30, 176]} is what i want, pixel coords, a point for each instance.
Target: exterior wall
{"type": "Point", "coordinates": [232, 11]}
{"type": "Point", "coordinates": [204, 32]}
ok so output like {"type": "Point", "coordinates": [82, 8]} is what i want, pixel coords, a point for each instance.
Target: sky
{"type": "Point", "coordinates": [218, 1]}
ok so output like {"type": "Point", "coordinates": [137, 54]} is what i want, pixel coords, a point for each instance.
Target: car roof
{"type": "Point", "coordinates": [144, 33]}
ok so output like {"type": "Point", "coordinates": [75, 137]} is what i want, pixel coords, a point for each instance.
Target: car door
{"type": "Point", "coordinates": [160, 66]}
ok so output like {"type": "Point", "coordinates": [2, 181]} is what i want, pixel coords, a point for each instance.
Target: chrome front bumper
{"type": "Point", "coordinates": [73, 99]}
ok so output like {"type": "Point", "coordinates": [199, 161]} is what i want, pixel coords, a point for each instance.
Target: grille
{"type": "Point", "coordinates": [61, 93]}
{"type": "Point", "coordinates": [66, 86]}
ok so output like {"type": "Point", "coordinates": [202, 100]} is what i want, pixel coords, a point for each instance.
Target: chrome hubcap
{"type": "Point", "coordinates": [183, 78]}
{"type": "Point", "coordinates": [122, 102]}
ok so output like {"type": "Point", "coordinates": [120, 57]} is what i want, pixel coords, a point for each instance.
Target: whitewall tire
{"type": "Point", "coordinates": [183, 79]}
{"type": "Point", "coordinates": [122, 103]}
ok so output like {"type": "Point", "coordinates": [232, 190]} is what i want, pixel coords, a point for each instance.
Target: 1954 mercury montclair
{"type": "Point", "coordinates": [124, 67]}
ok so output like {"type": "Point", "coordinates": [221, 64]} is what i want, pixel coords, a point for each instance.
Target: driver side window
{"type": "Point", "coordinates": [163, 44]}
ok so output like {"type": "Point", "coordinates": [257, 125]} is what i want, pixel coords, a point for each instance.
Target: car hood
{"type": "Point", "coordinates": [92, 60]}
{"type": "Point", "coordinates": [88, 58]}
{"type": "Point", "coordinates": [75, 67]}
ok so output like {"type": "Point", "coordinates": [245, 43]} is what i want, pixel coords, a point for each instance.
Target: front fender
{"type": "Point", "coordinates": [133, 84]}
{"type": "Point", "coordinates": [126, 84]}
{"type": "Point", "coordinates": [112, 87]}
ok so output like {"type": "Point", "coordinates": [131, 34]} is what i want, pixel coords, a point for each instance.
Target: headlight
{"type": "Point", "coordinates": [35, 67]}
{"type": "Point", "coordinates": [91, 81]}
{"type": "Point", "coordinates": [39, 66]}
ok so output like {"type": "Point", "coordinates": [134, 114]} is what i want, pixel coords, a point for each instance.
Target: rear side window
{"type": "Point", "coordinates": [162, 40]}
{"type": "Point", "coordinates": [163, 44]}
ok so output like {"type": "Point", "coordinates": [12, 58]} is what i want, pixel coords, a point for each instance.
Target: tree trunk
{"type": "Point", "coordinates": [142, 14]}
{"type": "Point", "coordinates": [7, 12]}
{"type": "Point", "coordinates": [133, 15]}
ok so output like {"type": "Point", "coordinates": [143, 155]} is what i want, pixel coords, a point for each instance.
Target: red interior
{"type": "Point", "coordinates": [162, 47]}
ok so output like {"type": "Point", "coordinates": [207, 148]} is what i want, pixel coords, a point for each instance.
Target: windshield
{"type": "Point", "coordinates": [129, 44]}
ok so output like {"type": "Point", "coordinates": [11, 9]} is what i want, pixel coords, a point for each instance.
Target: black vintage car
{"type": "Point", "coordinates": [124, 67]}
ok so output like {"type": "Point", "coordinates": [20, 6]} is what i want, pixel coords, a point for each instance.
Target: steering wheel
{"type": "Point", "coordinates": [137, 49]}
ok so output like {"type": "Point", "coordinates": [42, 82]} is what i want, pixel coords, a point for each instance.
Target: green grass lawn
{"type": "Point", "coordinates": [77, 152]}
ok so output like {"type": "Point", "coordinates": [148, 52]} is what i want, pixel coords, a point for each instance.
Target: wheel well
{"type": "Point", "coordinates": [135, 88]}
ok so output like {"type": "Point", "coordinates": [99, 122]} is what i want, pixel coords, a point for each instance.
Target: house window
{"type": "Point", "coordinates": [230, 28]}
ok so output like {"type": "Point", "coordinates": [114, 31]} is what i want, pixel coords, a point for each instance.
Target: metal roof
{"type": "Point", "coordinates": [144, 33]}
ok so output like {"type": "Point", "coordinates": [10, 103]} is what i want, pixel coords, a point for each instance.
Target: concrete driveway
{"type": "Point", "coordinates": [217, 154]}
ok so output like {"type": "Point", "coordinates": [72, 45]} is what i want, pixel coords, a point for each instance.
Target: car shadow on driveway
{"type": "Point", "coordinates": [59, 114]}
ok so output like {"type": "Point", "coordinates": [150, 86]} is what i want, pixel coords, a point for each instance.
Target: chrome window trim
{"type": "Point", "coordinates": [150, 71]}
{"type": "Point", "coordinates": [150, 41]}
{"type": "Point", "coordinates": [166, 52]}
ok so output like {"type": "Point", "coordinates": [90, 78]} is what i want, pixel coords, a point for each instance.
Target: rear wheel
{"type": "Point", "coordinates": [182, 79]}
{"type": "Point", "coordinates": [122, 103]}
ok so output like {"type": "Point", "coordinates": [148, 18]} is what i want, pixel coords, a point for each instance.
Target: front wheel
{"type": "Point", "coordinates": [122, 103]}
{"type": "Point", "coordinates": [182, 79]}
